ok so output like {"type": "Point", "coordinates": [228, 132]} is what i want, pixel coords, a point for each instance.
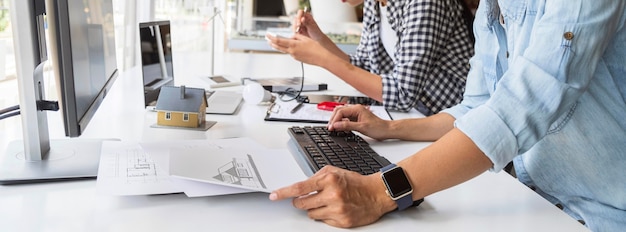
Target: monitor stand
{"type": "Point", "coordinates": [67, 159]}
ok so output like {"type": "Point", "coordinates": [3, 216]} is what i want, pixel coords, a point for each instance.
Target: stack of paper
{"type": "Point", "coordinates": [195, 167]}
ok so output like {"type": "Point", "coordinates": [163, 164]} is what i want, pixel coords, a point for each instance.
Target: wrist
{"type": "Point", "coordinates": [386, 204]}
{"type": "Point", "coordinates": [393, 127]}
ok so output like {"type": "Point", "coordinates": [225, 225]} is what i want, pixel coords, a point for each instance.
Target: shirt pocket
{"type": "Point", "coordinates": [560, 122]}
{"type": "Point", "coordinates": [514, 11]}
{"type": "Point", "coordinates": [487, 49]}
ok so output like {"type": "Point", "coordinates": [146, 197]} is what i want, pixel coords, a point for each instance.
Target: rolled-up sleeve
{"type": "Point", "coordinates": [544, 80]}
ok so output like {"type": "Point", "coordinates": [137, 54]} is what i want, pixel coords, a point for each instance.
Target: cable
{"type": "Point", "coordinates": [9, 112]}
{"type": "Point", "coordinates": [9, 109]}
{"type": "Point", "coordinates": [41, 105]}
{"type": "Point", "coordinates": [7, 115]}
{"type": "Point", "coordinates": [295, 94]}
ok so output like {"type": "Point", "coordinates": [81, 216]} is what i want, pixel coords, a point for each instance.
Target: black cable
{"type": "Point", "coordinates": [295, 94]}
{"type": "Point", "coordinates": [9, 109]}
{"type": "Point", "coordinates": [10, 114]}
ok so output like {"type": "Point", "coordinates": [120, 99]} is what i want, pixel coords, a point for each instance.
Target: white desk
{"type": "Point", "coordinates": [491, 202]}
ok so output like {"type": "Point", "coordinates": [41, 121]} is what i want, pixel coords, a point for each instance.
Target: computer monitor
{"type": "Point", "coordinates": [82, 45]}
{"type": "Point", "coordinates": [155, 43]}
{"type": "Point", "coordinates": [269, 8]}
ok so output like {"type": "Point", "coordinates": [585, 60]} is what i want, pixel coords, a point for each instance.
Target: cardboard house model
{"type": "Point", "coordinates": [181, 107]}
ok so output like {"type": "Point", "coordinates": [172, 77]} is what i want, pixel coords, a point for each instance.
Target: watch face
{"type": "Point", "coordinates": [396, 182]}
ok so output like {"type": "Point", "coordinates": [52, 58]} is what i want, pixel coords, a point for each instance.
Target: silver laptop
{"type": "Point", "coordinates": [223, 102]}
{"type": "Point", "coordinates": [158, 69]}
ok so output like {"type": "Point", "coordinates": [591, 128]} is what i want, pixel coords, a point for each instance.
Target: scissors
{"type": "Point", "coordinates": [330, 106]}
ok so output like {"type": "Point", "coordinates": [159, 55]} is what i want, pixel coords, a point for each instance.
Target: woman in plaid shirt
{"type": "Point", "coordinates": [412, 54]}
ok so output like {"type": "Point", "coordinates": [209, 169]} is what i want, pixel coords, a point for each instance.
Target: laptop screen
{"type": "Point", "coordinates": [156, 58]}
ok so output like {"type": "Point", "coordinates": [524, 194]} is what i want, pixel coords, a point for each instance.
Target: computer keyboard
{"type": "Point", "coordinates": [320, 147]}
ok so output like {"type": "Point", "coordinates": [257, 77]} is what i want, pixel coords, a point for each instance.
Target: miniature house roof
{"type": "Point", "coordinates": [180, 99]}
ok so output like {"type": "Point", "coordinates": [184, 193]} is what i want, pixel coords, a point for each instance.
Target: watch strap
{"type": "Point", "coordinates": [403, 202]}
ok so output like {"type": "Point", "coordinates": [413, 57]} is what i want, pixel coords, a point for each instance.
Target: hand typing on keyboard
{"type": "Point", "coordinates": [359, 118]}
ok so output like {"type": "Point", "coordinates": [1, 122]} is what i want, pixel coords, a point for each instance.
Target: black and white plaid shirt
{"type": "Point", "coordinates": [432, 53]}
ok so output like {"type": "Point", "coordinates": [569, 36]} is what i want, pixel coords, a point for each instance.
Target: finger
{"type": "Point", "coordinates": [324, 178]}
{"type": "Point", "coordinates": [345, 125]}
{"type": "Point", "coordinates": [308, 202]}
{"type": "Point", "coordinates": [270, 36]}
{"type": "Point", "coordinates": [337, 116]}
{"type": "Point", "coordinates": [322, 214]}
{"type": "Point", "coordinates": [332, 119]}
{"type": "Point", "coordinates": [296, 190]}
{"type": "Point", "coordinates": [298, 20]}
{"type": "Point", "coordinates": [280, 44]}
{"type": "Point", "coordinates": [341, 114]}
{"type": "Point", "coordinates": [277, 48]}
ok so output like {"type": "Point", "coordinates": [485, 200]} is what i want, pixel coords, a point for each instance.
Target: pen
{"type": "Point", "coordinates": [303, 12]}
{"type": "Point", "coordinates": [295, 109]}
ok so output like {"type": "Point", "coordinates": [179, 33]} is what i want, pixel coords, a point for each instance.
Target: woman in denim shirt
{"type": "Point", "coordinates": [412, 54]}
{"type": "Point", "coordinates": [547, 90]}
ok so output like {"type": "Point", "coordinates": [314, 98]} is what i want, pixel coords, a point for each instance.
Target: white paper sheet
{"type": "Point", "coordinates": [131, 168]}
{"type": "Point", "coordinates": [200, 189]}
{"type": "Point", "coordinates": [260, 170]}
{"type": "Point", "coordinates": [126, 169]}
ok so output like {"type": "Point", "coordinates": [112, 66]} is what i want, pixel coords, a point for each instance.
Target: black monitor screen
{"type": "Point", "coordinates": [83, 47]}
{"type": "Point", "coordinates": [269, 8]}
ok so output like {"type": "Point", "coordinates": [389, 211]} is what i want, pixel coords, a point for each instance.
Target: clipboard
{"type": "Point", "coordinates": [309, 113]}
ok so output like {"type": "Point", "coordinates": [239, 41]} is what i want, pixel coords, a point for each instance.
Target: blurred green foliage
{"type": "Point", "coordinates": [303, 3]}
{"type": "Point", "coordinates": [5, 19]}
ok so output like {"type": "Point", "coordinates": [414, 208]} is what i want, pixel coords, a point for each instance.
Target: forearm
{"type": "Point", "coordinates": [451, 160]}
{"type": "Point", "coordinates": [333, 48]}
{"type": "Point", "coordinates": [364, 81]}
{"type": "Point", "coordinates": [421, 129]}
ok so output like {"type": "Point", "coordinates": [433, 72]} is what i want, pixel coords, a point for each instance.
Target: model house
{"type": "Point", "coordinates": [181, 107]}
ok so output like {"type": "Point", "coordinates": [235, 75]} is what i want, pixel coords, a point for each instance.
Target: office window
{"type": "Point", "coordinates": [168, 116]}
{"type": "Point", "coordinates": [8, 81]}
{"type": "Point", "coordinates": [191, 26]}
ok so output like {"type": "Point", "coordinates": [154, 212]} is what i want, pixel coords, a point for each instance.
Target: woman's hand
{"type": "Point", "coordinates": [359, 118]}
{"type": "Point", "coordinates": [300, 47]}
{"type": "Point", "coordinates": [305, 24]}
{"type": "Point", "coordinates": [339, 197]}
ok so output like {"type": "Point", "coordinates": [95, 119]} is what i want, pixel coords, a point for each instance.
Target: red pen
{"type": "Point", "coordinates": [330, 106]}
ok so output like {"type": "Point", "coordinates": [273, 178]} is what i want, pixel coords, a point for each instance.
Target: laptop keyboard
{"type": "Point", "coordinates": [346, 150]}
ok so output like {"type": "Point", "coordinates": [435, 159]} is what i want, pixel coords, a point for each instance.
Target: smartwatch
{"type": "Point", "coordinates": [398, 185]}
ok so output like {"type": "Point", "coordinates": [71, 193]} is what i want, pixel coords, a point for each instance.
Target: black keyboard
{"type": "Point", "coordinates": [346, 150]}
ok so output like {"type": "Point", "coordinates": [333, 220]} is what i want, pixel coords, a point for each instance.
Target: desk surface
{"type": "Point", "coordinates": [490, 202]}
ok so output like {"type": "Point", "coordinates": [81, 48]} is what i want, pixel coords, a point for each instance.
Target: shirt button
{"type": "Point", "coordinates": [581, 222]}
{"type": "Point", "coordinates": [507, 54]}
{"type": "Point", "coordinates": [559, 206]}
{"type": "Point", "coordinates": [532, 188]}
{"type": "Point", "coordinates": [568, 35]}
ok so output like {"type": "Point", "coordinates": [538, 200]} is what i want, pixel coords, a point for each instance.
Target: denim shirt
{"type": "Point", "coordinates": [547, 89]}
